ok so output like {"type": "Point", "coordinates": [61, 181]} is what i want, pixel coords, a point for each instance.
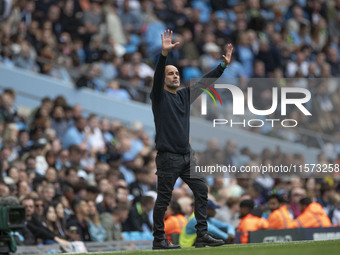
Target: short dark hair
{"type": "Point", "coordinates": [92, 189]}
{"type": "Point", "coordinates": [76, 203]}
{"type": "Point", "coordinates": [247, 203]}
{"type": "Point", "coordinates": [74, 148]}
{"type": "Point", "coordinates": [175, 206]}
{"type": "Point", "coordinates": [305, 201]}
{"type": "Point", "coordinates": [278, 197]}
{"type": "Point", "coordinates": [146, 200]}
{"type": "Point", "coordinates": [121, 207]}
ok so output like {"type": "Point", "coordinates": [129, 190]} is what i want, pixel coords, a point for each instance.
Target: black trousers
{"type": "Point", "coordinates": [170, 166]}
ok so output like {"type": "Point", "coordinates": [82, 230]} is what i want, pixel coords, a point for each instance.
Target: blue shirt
{"type": "Point", "coordinates": [246, 58]}
{"type": "Point", "coordinates": [73, 136]}
{"type": "Point", "coordinates": [121, 94]}
{"type": "Point", "coordinates": [216, 228]}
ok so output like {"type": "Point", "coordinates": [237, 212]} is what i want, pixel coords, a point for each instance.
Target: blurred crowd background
{"type": "Point", "coordinates": [112, 46]}
{"type": "Point", "coordinates": [93, 179]}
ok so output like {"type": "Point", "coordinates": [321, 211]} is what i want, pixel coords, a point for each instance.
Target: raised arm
{"type": "Point", "coordinates": [213, 75]}
{"type": "Point", "coordinates": [158, 80]}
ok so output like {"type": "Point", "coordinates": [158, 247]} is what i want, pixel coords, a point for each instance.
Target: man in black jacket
{"type": "Point", "coordinates": [171, 109]}
{"type": "Point", "coordinates": [138, 219]}
{"type": "Point", "coordinates": [79, 221]}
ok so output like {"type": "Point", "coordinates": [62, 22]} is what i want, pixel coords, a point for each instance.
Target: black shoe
{"type": "Point", "coordinates": [208, 240]}
{"type": "Point", "coordinates": [164, 245]}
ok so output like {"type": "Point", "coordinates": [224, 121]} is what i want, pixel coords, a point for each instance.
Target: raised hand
{"type": "Point", "coordinates": [166, 42]}
{"type": "Point", "coordinates": [228, 53]}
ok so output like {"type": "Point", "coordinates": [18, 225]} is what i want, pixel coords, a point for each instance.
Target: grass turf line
{"type": "Point", "coordinates": [331, 247]}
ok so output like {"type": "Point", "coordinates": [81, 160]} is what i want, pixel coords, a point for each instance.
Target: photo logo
{"type": "Point", "coordinates": [288, 96]}
{"type": "Point", "coordinates": [204, 98]}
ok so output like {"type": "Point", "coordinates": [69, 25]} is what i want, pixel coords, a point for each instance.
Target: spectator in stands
{"type": "Point", "coordinates": [39, 208]}
{"type": "Point", "coordinates": [50, 222]}
{"type": "Point", "coordinates": [249, 222]}
{"type": "Point", "coordinates": [229, 213]}
{"type": "Point", "coordinates": [130, 18]}
{"type": "Point", "coordinates": [24, 142]}
{"type": "Point", "coordinates": [76, 135]}
{"type": "Point", "coordinates": [174, 222]}
{"type": "Point", "coordinates": [35, 229]}
{"type": "Point", "coordinates": [216, 229]}
{"type": "Point", "coordinates": [4, 190]}
{"type": "Point", "coordinates": [336, 212]}
{"type": "Point", "coordinates": [91, 20]}
{"type": "Point", "coordinates": [312, 215]}
{"type": "Point", "coordinates": [26, 58]}
{"type": "Point", "coordinates": [80, 220]}
{"type": "Point", "coordinates": [279, 217]}
{"type": "Point", "coordinates": [326, 198]}
{"type": "Point", "coordinates": [114, 25]}
{"type": "Point", "coordinates": [58, 122]}
{"type": "Point", "coordinates": [112, 222]}
{"type": "Point", "coordinates": [138, 219]}
{"type": "Point", "coordinates": [115, 91]}
{"type": "Point", "coordinates": [96, 230]}
{"type": "Point", "coordinates": [48, 193]}
{"type": "Point", "coordinates": [24, 188]}
{"type": "Point", "coordinates": [61, 218]}
{"type": "Point", "coordinates": [296, 195]}
{"type": "Point", "coordinates": [95, 142]}
{"type": "Point", "coordinates": [109, 201]}
{"type": "Point", "coordinates": [8, 112]}
{"type": "Point", "coordinates": [142, 184]}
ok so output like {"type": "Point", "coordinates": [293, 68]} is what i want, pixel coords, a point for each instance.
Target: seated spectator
{"type": "Point", "coordinates": [280, 217]}
{"type": "Point", "coordinates": [50, 222]}
{"type": "Point", "coordinates": [174, 222]}
{"type": "Point", "coordinates": [80, 220]}
{"type": "Point", "coordinates": [76, 135]}
{"type": "Point", "coordinates": [249, 222]}
{"type": "Point", "coordinates": [58, 122]}
{"type": "Point", "coordinates": [8, 111]}
{"type": "Point", "coordinates": [326, 198]}
{"type": "Point", "coordinates": [34, 228]}
{"type": "Point", "coordinates": [138, 219]}
{"type": "Point", "coordinates": [216, 228]}
{"type": "Point", "coordinates": [112, 222]}
{"type": "Point", "coordinates": [109, 201]}
{"type": "Point", "coordinates": [336, 211]}
{"type": "Point", "coordinates": [115, 91]}
{"type": "Point", "coordinates": [186, 204]}
{"type": "Point", "coordinates": [295, 195]}
{"type": "Point", "coordinates": [26, 59]}
{"type": "Point", "coordinates": [230, 212]}
{"type": "Point", "coordinates": [96, 230]}
{"type": "Point", "coordinates": [312, 215]}
{"type": "Point", "coordinates": [143, 182]}
{"type": "Point", "coordinates": [95, 143]}
{"type": "Point", "coordinates": [39, 208]}
{"type": "Point", "coordinates": [61, 218]}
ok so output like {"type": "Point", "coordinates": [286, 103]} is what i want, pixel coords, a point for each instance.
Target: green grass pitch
{"type": "Point", "coordinates": [290, 248]}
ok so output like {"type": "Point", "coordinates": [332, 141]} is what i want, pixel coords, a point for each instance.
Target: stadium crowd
{"type": "Point", "coordinates": [109, 46]}
{"type": "Point", "coordinates": [92, 179]}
